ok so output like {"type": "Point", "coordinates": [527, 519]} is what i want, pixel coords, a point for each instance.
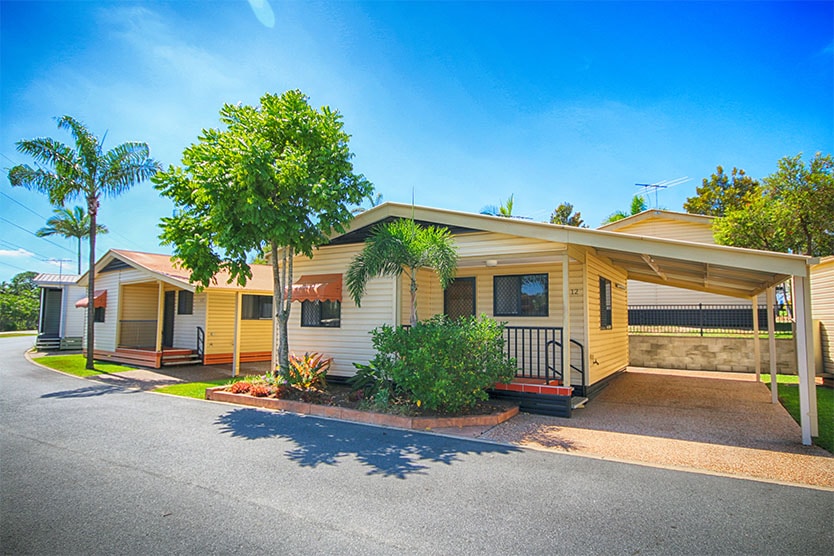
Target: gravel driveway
{"type": "Point", "coordinates": [716, 422]}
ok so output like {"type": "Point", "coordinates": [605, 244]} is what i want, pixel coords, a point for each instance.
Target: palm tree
{"type": "Point", "coordinates": [70, 223]}
{"type": "Point", "coordinates": [64, 173]}
{"type": "Point", "coordinates": [638, 205]}
{"type": "Point", "coordinates": [505, 210]}
{"type": "Point", "coordinates": [403, 246]}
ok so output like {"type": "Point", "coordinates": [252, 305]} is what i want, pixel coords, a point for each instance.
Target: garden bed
{"type": "Point", "coordinates": [342, 407]}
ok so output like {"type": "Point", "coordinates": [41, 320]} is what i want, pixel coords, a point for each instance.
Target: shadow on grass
{"type": "Point", "coordinates": [386, 452]}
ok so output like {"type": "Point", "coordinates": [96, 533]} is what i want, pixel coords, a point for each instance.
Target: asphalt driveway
{"type": "Point", "coordinates": [91, 468]}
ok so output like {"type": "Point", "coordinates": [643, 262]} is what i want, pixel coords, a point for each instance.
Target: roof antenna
{"type": "Point", "coordinates": [665, 184]}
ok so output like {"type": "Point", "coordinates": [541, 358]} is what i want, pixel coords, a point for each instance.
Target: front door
{"type": "Point", "coordinates": [168, 320]}
{"type": "Point", "coordinates": [459, 298]}
{"type": "Point", "coordinates": [51, 315]}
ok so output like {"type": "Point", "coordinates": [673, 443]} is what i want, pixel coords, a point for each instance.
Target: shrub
{"type": "Point", "coordinates": [240, 387]}
{"type": "Point", "coordinates": [260, 390]}
{"type": "Point", "coordinates": [444, 364]}
{"type": "Point", "coordinates": [309, 372]}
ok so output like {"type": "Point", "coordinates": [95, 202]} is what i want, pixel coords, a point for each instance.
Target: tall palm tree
{"type": "Point", "coordinates": [403, 246]}
{"type": "Point", "coordinates": [70, 223]}
{"type": "Point", "coordinates": [64, 173]}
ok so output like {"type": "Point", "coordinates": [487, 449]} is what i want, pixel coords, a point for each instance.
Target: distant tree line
{"type": "Point", "coordinates": [19, 303]}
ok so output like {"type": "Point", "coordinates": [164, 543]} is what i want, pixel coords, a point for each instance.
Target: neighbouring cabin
{"type": "Point", "coordinates": [60, 326]}
{"type": "Point", "coordinates": [822, 307]}
{"type": "Point", "coordinates": [149, 314]}
{"type": "Point", "coordinates": [562, 292]}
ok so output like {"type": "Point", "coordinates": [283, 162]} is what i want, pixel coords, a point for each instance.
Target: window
{"type": "Point", "coordinates": [604, 303]}
{"type": "Point", "coordinates": [185, 303]}
{"type": "Point", "coordinates": [459, 298]}
{"type": "Point", "coordinates": [321, 313]}
{"type": "Point", "coordinates": [99, 314]}
{"type": "Point", "coordinates": [256, 307]}
{"type": "Point", "coordinates": [521, 296]}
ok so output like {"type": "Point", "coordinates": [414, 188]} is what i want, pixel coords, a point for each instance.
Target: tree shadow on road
{"type": "Point", "coordinates": [88, 392]}
{"type": "Point", "coordinates": [386, 452]}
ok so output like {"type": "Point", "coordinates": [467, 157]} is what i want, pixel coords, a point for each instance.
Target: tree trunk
{"type": "Point", "coordinates": [92, 208]}
{"type": "Point", "coordinates": [413, 297]}
{"type": "Point", "coordinates": [281, 299]}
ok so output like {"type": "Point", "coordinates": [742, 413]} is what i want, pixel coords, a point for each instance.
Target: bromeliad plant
{"type": "Point", "coordinates": [308, 372]}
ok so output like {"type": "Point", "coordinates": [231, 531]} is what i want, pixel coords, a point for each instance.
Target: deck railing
{"type": "Point", "coordinates": [137, 334]}
{"type": "Point", "coordinates": [538, 353]}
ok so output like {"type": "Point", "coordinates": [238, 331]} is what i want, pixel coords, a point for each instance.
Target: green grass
{"type": "Point", "coordinates": [192, 389]}
{"type": "Point", "coordinates": [16, 334]}
{"type": "Point", "coordinates": [789, 398]}
{"type": "Point", "coordinates": [74, 365]}
{"type": "Point", "coordinates": [781, 379]}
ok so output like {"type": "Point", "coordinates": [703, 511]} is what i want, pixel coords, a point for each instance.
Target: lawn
{"type": "Point", "coordinates": [74, 365]}
{"type": "Point", "coordinates": [789, 398]}
{"type": "Point", "coordinates": [16, 334]}
{"type": "Point", "coordinates": [192, 389]}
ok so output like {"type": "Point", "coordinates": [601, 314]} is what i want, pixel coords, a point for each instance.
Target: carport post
{"type": "Point", "coordinates": [757, 351]}
{"type": "Point", "coordinates": [236, 350]}
{"type": "Point", "coordinates": [804, 355]}
{"type": "Point", "coordinates": [566, 320]}
{"type": "Point", "coordinates": [771, 343]}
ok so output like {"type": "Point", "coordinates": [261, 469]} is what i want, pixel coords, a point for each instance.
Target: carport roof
{"type": "Point", "coordinates": [718, 269]}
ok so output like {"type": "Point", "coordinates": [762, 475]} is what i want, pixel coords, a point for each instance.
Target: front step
{"type": "Point", "coordinates": [578, 402]}
{"type": "Point", "coordinates": [172, 357]}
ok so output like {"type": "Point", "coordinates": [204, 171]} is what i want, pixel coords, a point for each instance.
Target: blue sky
{"type": "Point", "coordinates": [463, 103]}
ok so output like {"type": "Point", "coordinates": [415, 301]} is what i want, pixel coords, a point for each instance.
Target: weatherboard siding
{"type": "Point", "coordinates": [670, 228]}
{"type": "Point", "coordinates": [607, 349]}
{"type": "Point", "coordinates": [220, 323]}
{"type": "Point", "coordinates": [822, 307]}
{"type": "Point", "coordinates": [185, 326]}
{"type": "Point", "coordinates": [351, 342]}
{"type": "Point", "coordinates": [106, 333]}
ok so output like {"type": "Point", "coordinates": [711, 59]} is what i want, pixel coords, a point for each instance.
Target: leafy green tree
{"type": "Point", "coordinates": [403, 246]}
{"type": "Point", "coordinates": [70, 223]}
{"type": "Point", "coordinates": [794, 212]}
{"type": "Point", "coordinates": [722, 193]}
{"type": "Point", "coordinates": [64, 173]}
{"type": "Point", "coordinates": [564, 215]}
{"type": "Point", "coordinates": [638, 205]}
{"type": "Point", "coordinates": [278, 177]}
{"type": "Point", "coordinates": [19, 303]}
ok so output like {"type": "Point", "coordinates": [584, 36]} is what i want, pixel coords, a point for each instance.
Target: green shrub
{"type": "Point", "coordinates": [444, 364]}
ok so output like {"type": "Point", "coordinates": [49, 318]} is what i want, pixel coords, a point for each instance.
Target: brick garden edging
{"type": "Point", "coordinates": [217, 393]}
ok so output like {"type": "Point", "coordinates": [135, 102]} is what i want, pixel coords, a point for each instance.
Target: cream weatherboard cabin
{"type": "Point", "coordinates": [562, 291]}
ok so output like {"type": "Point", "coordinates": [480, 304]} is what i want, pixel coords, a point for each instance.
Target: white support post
{"type": "Point", "coordinates": [566, 320]}
{"type": "Point", "coordinates": [771, 343]}
{"type": "Point", "coordinates": [804, 359]}
{"type": "Point", "coordinates": [757, 351]}
{"type": "Point", "coordinates": [160, 315]}
{"type": "Point", "coordinates": [236, 347]}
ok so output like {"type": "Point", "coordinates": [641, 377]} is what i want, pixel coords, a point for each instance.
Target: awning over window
{"type": "Point", "coordinates": [99, 300]}
{"type": "Point", "coordinates": [318, 287]}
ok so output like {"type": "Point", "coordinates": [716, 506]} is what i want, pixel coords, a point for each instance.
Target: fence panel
{"type": "Point", "coordinates": [700, 319]}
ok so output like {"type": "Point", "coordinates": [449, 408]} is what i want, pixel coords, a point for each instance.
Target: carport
{"type": "Point", "coordinates": [742, 273]}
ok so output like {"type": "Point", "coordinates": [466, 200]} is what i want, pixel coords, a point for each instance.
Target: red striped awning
{"type": "Point", "coordinates": [318, 287]}
{"type": "Point", "coordinates": [99, 300]}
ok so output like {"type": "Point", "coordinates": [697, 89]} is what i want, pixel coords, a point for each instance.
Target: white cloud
{"type": "Point", "coordinates": [17, 253]}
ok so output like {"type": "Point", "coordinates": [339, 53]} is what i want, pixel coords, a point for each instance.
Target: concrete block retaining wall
{"type": "Point", "coordinates": [708, 354]}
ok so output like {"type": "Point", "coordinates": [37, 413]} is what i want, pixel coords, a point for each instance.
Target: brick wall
{"type": "Point", "coordinates": [708, 354]}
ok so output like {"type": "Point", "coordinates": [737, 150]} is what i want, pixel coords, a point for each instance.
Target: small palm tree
{"type": "Point", "coordinates": [403, 246]}
{"type": "Point", "coordinates": [505, 209]}
{"type": "Point", "coordinates": [70, 223]}
{"type": "Point", "coordinates": [63, 173]}
{"type": "Point", "coordinates": [638, 205]}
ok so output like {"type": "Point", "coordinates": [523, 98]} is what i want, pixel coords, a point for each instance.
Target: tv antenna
{"type": "Point", "coordinates": [665, 184]}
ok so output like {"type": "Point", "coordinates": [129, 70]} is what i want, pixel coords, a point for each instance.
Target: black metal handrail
{"type": "Point", "coordinates": [535, 350]}
{"type": "Point", "coordinates": [201, 342]}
